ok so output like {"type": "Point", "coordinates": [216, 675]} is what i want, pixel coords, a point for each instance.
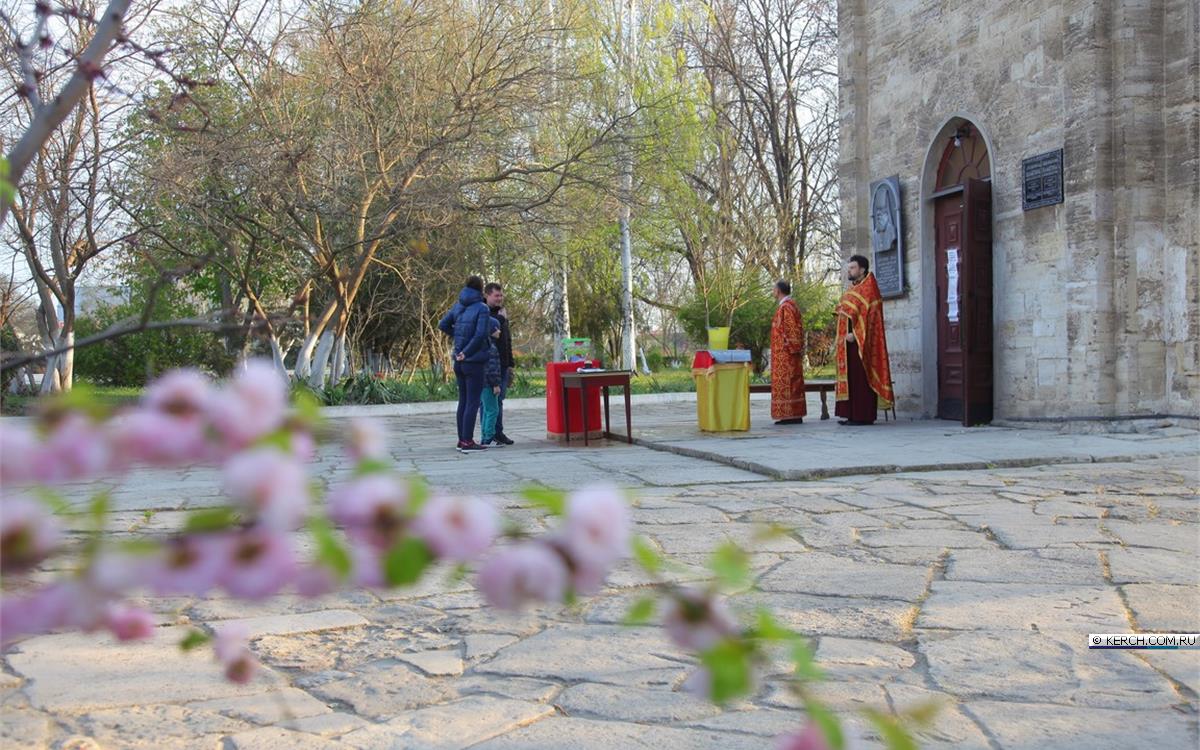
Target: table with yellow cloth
{"type": "Point", "coordinates": [722, 394]}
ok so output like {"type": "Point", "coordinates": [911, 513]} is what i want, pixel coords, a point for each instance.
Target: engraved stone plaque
{"type": "Point", "coordinates": [887, 237]}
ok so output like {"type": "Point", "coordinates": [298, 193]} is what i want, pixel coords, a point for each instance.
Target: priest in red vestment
{"type": "Point", "coordinates": [788, 401]}
{"type": "Point", "coordinates": [864, 377]}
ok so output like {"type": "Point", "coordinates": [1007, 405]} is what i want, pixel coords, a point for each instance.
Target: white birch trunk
{"type": "Point", "coordinates": [562, 308]}
{"type": "Point", "coordinates": [66, 362]}
{"type": "Point", "coordinates": [341, 362]}
{"type": "Point", "coordinates": [320, 360]}
{"type": "Point", "coordinates": [628, 327]}
{"type": "Point", "coordinates": [277, 354]}
{"type": "Point", "coordinates": [304, 359]}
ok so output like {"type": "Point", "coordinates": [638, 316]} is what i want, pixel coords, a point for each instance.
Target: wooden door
{"type": "Point", "coordinates": [948, 215]}
{"type": "Point", "coordinates": [977, 302]}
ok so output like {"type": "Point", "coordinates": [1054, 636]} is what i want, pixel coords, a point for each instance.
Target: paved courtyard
{"type": "Point", "coordinates": [976, 584]}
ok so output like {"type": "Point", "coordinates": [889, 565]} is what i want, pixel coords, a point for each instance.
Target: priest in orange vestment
{"type": "Point", "coordinates": [864, 377]}
{"type": "Point", "coordinates": [788, 401]}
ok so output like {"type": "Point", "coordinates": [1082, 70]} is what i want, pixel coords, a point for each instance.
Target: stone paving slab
{"type": "Point", "coordinates": [975, 587]}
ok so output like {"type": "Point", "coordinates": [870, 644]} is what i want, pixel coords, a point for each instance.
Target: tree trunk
{"type": "Point", "coordinates": [341, 360]}
{"type": "Point", "coordinates": [277, 354]}
{"type": "Point", "coordinates": [320, 360]}
{"type": "Point", "coordinates": [628, 326]}
{"type": "Point", "coordinates": [562, 308]}
{"type": "Point", "coordinates": [66, 360]}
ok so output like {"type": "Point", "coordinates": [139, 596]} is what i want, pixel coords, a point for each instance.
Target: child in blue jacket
{"type": "Point", "coordinates": [493, 378]}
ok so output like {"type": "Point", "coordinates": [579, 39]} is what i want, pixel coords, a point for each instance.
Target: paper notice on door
{"type": "Point", "coordinates": [952, 284]}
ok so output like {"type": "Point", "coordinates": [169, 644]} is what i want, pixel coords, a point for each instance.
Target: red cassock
{"type": "Point", "coordinates": [864, 376]}
{"type": "Point", "coordinates": [788, 400]}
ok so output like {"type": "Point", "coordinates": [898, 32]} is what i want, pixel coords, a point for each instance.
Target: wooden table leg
{"type": "Point", "coordinates": [583, 403]}
{"type": "Point", "coordinates": [566, 414]}
{"type": "Point", "coordinates": [628, 418]}
{"type": "Point", "coordinates": [824, 405]}
{"type": "Point", "coordinates": [607, 420]}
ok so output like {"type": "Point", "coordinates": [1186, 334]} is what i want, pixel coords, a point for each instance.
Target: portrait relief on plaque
{"type": "Point", "coordinates": [887, 237]}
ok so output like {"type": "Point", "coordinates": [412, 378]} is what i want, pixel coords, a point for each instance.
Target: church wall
{"type": "Point", "coordinates": [1087, 321]}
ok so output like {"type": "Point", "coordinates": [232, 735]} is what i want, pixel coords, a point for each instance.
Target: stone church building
{"type": "Point", "coordinates": [1046, 265]}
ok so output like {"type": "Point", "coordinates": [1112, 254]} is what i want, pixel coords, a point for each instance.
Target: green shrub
{"type": "Point", "coordinates": [138, 358]}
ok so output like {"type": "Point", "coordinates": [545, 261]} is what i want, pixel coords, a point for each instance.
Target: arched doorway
{"type": "Point", "coordinates": [962, 211]}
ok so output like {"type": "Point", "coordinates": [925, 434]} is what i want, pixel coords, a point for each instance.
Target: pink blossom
{"type": "Point", "coordinates": [597, 527]}
{"type": "Point", "coordinates": [231, 646]}
{"type": "Point", "coordinates": [18, 447]}
{"type": "Point", "coordinates": [182, 394]}
{"type": "Point", "coordinates": [366, 440]}
{"type": "Point", "coordinates": [367, 566]}
{"type": "Point", "coordinates": [372, 509]}
{"type": "Point", "coordinates": [586, 580]}
{"type": "Point", "coordinates": [58, 605]}
{"type": "Point", "coordinates": [697, 621]}
{"type": "Point", "coordinates": [261, 562]}
{"type": "Point", "coordinates": [191, 564]}
{"type": "Point", "coordinates": [530, 572]}
{"type": "Point", "coordinates": [698, 683]}
{"type": "Point", "coordinates": [127, 622]}
{"type": "Point", "coordinates": [252, 405]}
{"type": "Point", "coordinates": [809, 738]}
{"type": "Point", "coordinates": [303, 446]}
{"type": "Point", "coordinates": [314, 580]}
{"type": "Point", "coordinates": [116, 572]}
{"type": "Point", "coordinates": [272, 485]}
{"type": "Point", "coordinates": [457, 529]}
{"type": "Point", "coordinates": [158, 438]}
{"type": "Point", "coordinates": [29, 532]}
{"type": "Point", "coordinates": [75, 449]}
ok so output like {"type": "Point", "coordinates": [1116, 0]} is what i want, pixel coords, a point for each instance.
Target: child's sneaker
{"type": "Point", "coordinates": [492, 443]}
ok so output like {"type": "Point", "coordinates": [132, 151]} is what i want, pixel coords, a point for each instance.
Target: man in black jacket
{"type": "Point", "coordinates": [493, 295]}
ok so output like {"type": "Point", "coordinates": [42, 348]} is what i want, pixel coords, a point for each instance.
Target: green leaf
{"type": "Point", "coordinates": [8, 191]}
{"type": "Point", "coordinates": [769, 628]}
{"type": "Point", "coordinates": [194, 639]}
{"type": "Point", "coordinates": [641, 611]}
{"type": "Point", "coordinates": [307, 405]}
{"type": "Point", "coordinates": [281, 439]}
{"type": "Point", "coordinates": [139, 547]}
{"type": "Point", "coordinates": [731, 565]}
{"type": "Point", "coordinates": [371, 466]}
{"type": "Point", "coordinates": [81, 398]}
{"type": "Point", "coordinates": [646, 555]}
{"type": "Point", "coordinates": [554, 501]}
{"type": "Point", "coordinates": [418, 493]}
{"type": "Point", "coordinates": [458, 574]}
{"type": "Point", "coordinates": [806, 668]}
{"type": "Point", "coordinates": [827, 723]}
{"type": "Point", "coordinates": [57, 502]}
{"type": "Point", "coordinates": [329, 552]}
{"type": "Point", "coordinates": [98, 509]}
{"type": "Point", "coordinates": [406, 561]}
{"type": "Point", "coordinates": [924, 713]}
{"type": "Point", "coordinates": [211, 519]}
{"type": "Point", "coordinates": [894, 735]}
{"type": "Point", "coordinates": [729, 668]}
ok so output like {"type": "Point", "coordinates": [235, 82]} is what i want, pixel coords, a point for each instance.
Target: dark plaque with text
{"type": "Point", "coordinates": [1042, 176]}
{"type": "Point", "coordinates": [887, 237]}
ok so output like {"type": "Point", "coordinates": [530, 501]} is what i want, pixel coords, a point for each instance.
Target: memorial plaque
{"type": "Point", "coordinates": [1042, 178]}
{"type": "Point", "coordinates": [887, 237]}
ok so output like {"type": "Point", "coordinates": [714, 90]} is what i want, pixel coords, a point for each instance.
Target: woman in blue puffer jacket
{"type": "Point", "coordinates": [469, 324]}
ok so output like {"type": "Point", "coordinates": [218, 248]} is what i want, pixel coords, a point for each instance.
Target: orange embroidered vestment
{"type": "Point", "coordinates": [861, 311]}
{"type": "Point", "coordinates": [788, 400]}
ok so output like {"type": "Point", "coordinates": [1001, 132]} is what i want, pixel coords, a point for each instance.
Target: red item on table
{"type": "Point", "coordinates": [554, 396]}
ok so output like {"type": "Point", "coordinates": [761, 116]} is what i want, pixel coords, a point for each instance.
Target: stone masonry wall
{"type": "Point", "coordinates": [1096, 307]}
